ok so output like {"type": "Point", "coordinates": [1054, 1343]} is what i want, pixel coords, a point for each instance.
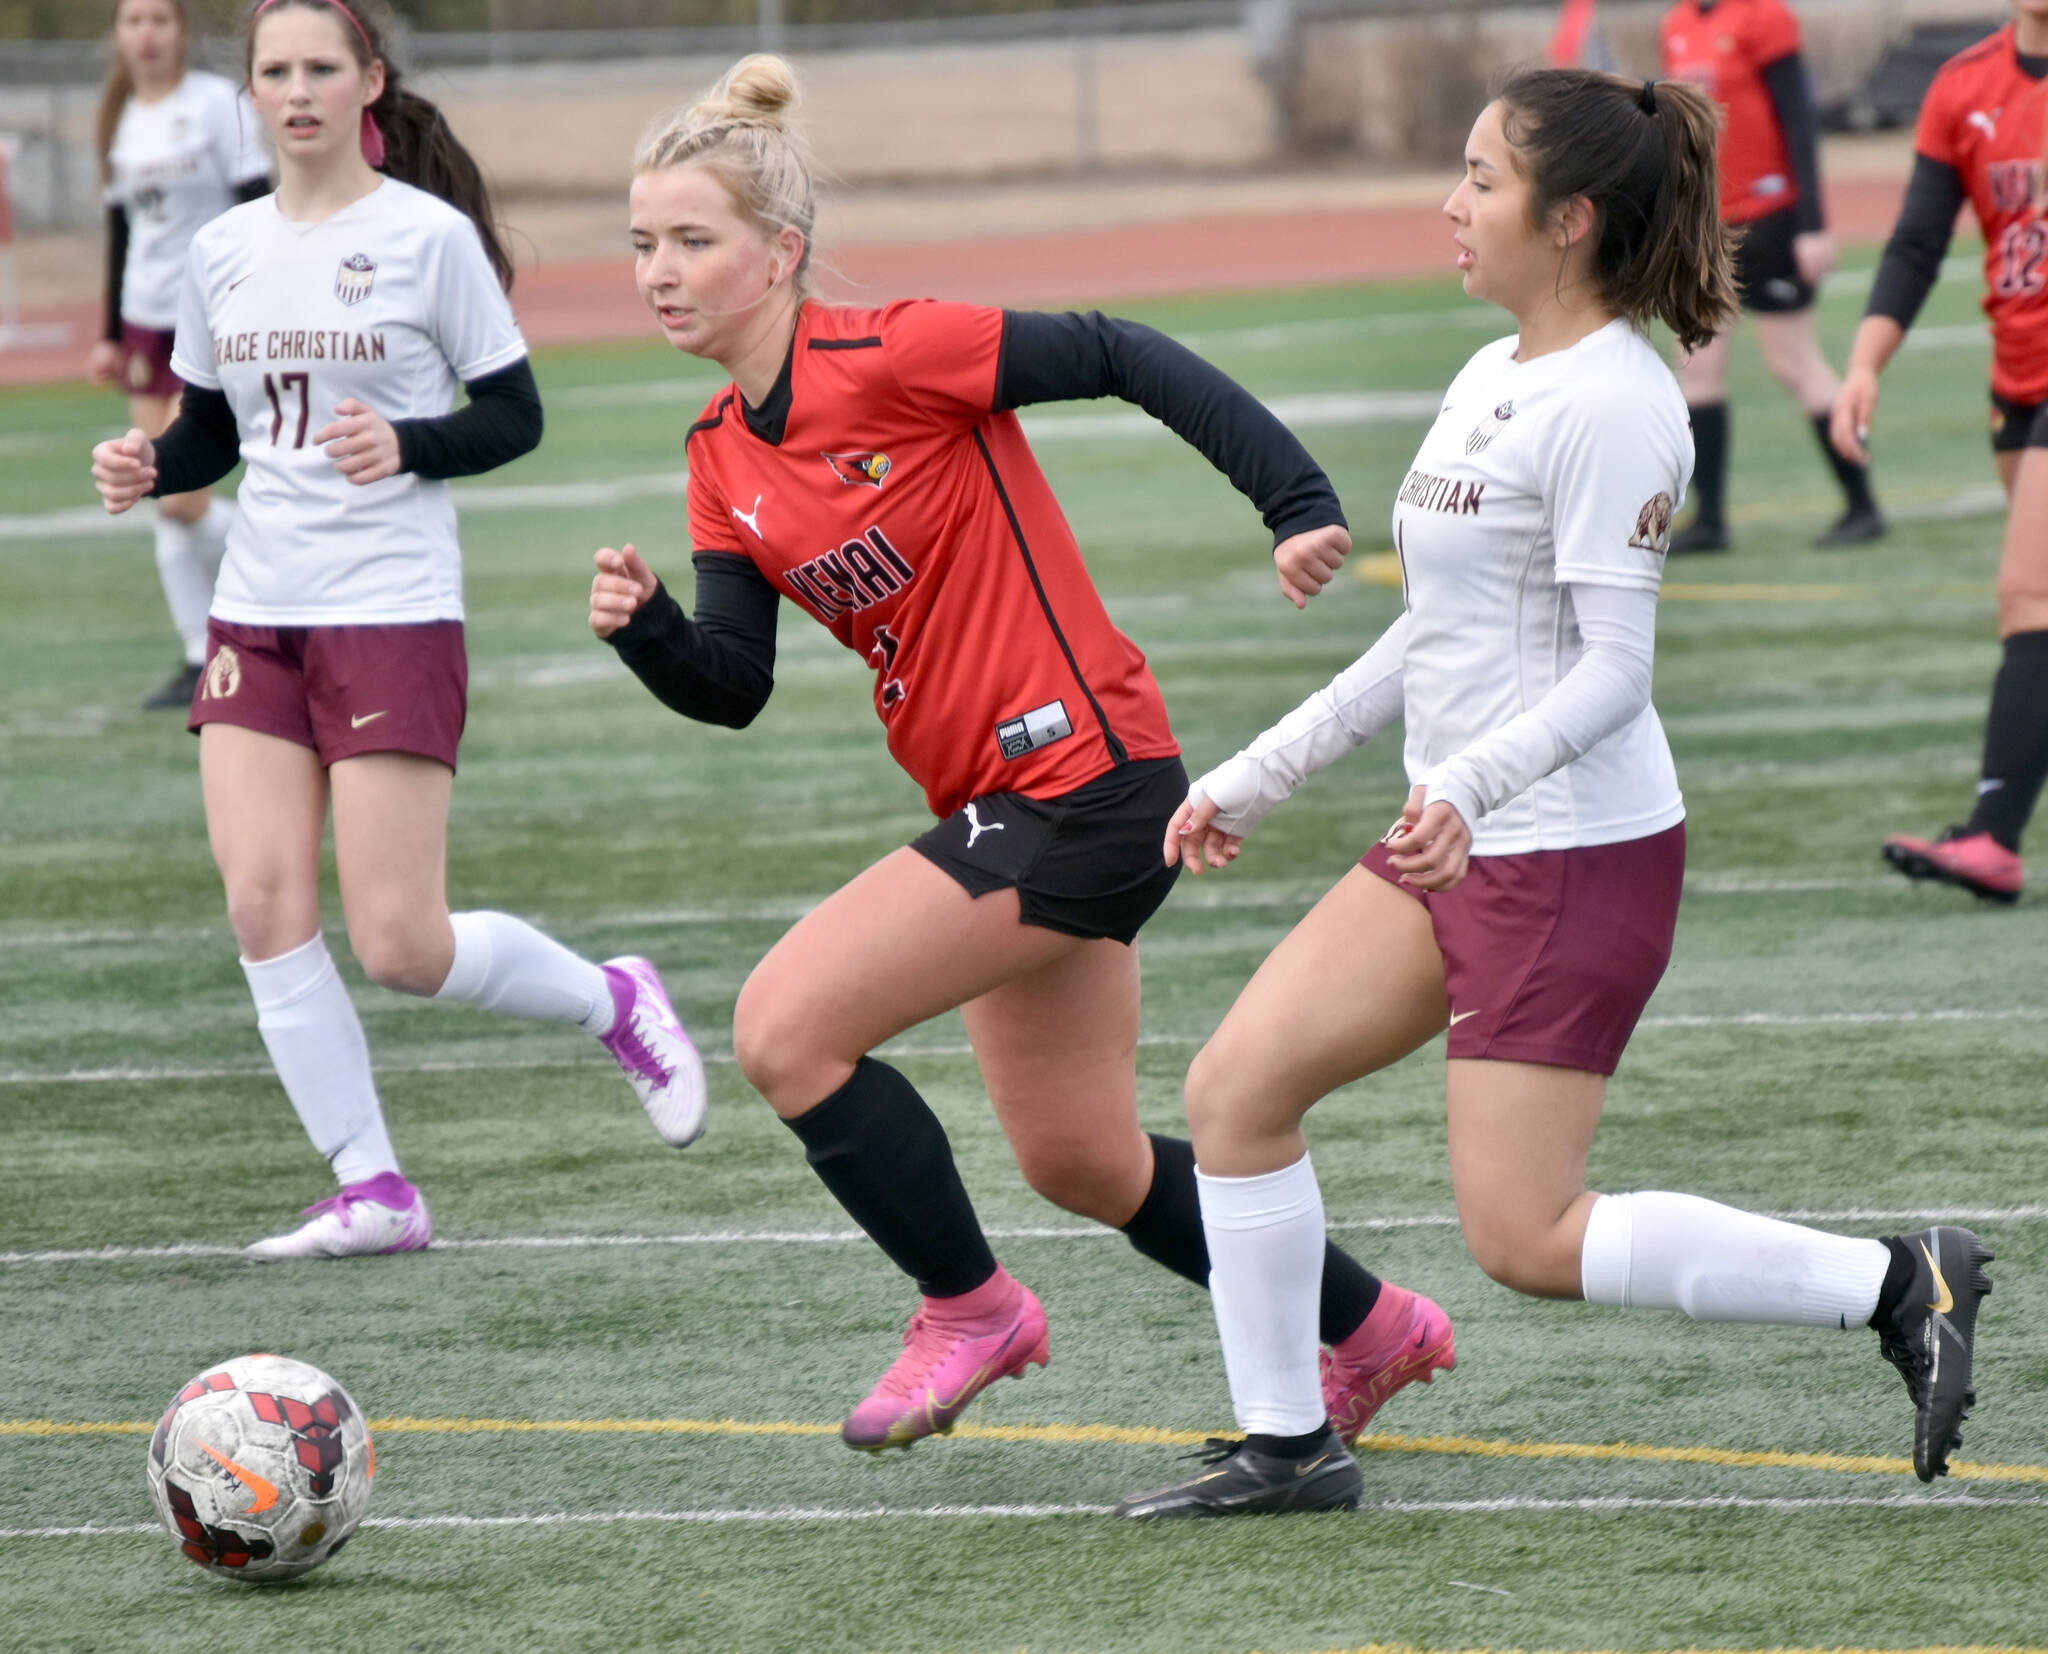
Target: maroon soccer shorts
{"type": "Point", "coordinates": [146, 361]}
{"type": "Point", "coordinates": [1550, 957]}
{"type": "Point", "coordinates": [341, 690]}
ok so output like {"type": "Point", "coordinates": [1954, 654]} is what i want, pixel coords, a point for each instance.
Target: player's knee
{"type": "Point", "coordinates": [406, 958]}
{"type": "Point", "coordinates": [1522, 1257]}
{"type": "Point", "coordinates": [773, 1046]}
{"type": "Point", "coordinates": [266, 912]}
{"type": "Point", "coordinates": [1218, 1093]}
{"type": "Point", "coordinates": [1075, 1181]}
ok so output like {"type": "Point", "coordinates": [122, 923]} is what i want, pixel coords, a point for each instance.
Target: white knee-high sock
{"type": "Point", "coordinates": [316, 1044]}
{"type": "Point", "coordinates": [210, 537]}
{"type": "Point", "coordinates": [503, 964]}
{"type": "Point", "coordinates": [1266, 1280]}
{"type": "Point", "coordinates": [188, 584]}
{"type": "Point", "coordinates": [1663, 1251]}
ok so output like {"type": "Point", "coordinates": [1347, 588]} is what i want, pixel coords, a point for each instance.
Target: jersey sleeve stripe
{"type": "Point", "coordinates": [872, 342]}
{"type": "Point", "coordinates": [1118, 754]}
{"type": "Point", "coordinates": [710, 421]}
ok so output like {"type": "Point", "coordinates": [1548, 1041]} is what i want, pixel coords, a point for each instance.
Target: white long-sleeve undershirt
{"type": "Point", "coordinates": [1601, 692]}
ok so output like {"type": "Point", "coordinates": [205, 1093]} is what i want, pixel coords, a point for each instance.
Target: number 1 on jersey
{"type": "Point", "coordinates": [286, 382]}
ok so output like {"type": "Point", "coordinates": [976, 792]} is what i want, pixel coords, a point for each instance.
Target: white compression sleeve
{"type": "Point", "coordinates": [1604, 688]}
{"type": "Point", "coordinates": [503, 964]}
{"type": "Point", "coordinates": [1350, 710]}
{"type": "Point", "coordinates": [1265, 1238]}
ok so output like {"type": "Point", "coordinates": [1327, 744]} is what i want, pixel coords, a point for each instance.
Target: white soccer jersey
{"type": "Point", "coordinates": [1535, 476]}
{"type": "Point", "coordinates": [392, 301]}
{"type": "Point", "coordinates": [174, 165]}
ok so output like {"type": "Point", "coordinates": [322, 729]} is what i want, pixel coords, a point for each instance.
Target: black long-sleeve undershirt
{"type": "Point", "coordinates": [1069, 357]}
{"type": "Point", "coordinates": [1798, 121]}
{"type": "Point", "coordinates": [720, 666]}
{"type": "Point", "coordinates": [1919, 241]}
{"type": "Point", "coordinates": [503, 421]}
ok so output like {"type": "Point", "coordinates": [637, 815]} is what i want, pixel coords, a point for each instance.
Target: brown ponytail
{"type": "Point", "coordinates": [420, 148]}
{"type": "Point", "coordinates": [1643, 155]}
{"type": "Point", "coordinates": [118, 88]}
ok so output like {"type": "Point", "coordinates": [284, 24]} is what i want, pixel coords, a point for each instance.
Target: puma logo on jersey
{"type": "Point", "coordinates": [751, 518]}
{"type": "Point", "coordinates": [976, 826]}
{"type": "Point", "coordinates": [1446, 494]}
{"type": "Point", "coordinates": [1986, 124]}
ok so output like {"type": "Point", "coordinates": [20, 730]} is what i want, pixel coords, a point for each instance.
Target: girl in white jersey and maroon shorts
{"type": "Point", "coordinates": [321, 334]}
{"type": "Point", "coordinates": [1527, 897]}
{"type": "Point", "coordinates": [177, 147]}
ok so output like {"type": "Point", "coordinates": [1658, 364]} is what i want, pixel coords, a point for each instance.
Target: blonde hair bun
{"type": "Point", "coordinates": [758, 90]}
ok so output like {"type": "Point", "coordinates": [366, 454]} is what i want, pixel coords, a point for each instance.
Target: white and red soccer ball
{"type": "Point", "coordinates": [261, 1467]}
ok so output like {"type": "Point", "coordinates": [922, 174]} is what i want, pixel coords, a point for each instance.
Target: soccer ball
{"type": "Point", "coordinates": [261, 1468]}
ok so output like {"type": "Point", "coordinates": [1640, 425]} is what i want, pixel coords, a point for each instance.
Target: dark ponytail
{"type": "Point", "coordinates": [1643, 155]}
{"type": "Point", "coordinates": [420, 148]}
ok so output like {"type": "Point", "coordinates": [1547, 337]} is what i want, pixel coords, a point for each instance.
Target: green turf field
{"type": "Point", "coordinates": [605, 1409]}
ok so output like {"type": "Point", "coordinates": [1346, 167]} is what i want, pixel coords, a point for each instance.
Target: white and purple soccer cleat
{"type": "Point", "coordinates": [666, 1072]}
{"type": "Point", "coordinates": [383, 1214]}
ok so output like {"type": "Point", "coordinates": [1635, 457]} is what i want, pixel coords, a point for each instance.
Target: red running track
{"type": "Point", "coordinates": [592, 300]}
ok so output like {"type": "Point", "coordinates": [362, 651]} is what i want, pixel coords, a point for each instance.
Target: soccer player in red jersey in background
{"type": "Point", "coordinates": [1744, 54]}
{"type": "Point", "coordinates": [865, 464]}
{"type": "Point", "coordinates": [1981, 138]}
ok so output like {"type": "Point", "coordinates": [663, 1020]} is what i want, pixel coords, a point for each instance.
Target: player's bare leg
{"type": "Point", "coordinates": [391, 851]}
{"type": "Point", "coordinates": [266, 803]}
{"type": "Point", "coordinates": [1982, 855]}
{"type": "Point", "coordinates": [1791, 350]}
{"type": "Point", "coordinates": [1519, 1136]}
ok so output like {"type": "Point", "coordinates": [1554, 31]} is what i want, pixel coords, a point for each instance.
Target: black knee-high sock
{"type": "Point", "coordinates": [2015, 741]}
{"type": "Point", "coordinates": [1854, 478]}
{"type": "Point", "coordinates": [1710, 462]}
{"type": "Point", "coordinates": [1167, 1228]}
{"type": "Point", "coordinates": [876, 1144]}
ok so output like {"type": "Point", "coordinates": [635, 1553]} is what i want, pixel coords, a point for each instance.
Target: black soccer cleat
{"type": "Point", "coordinates": [1245, 1483]}
{"type": "Point", "coordinates": [1857, 526]}
{"type": "Point", "coordinates": [176, 692]}
{"type": "Point", "coordinates": [1930, 1336]}
{"type": "Point", "coordinates": [1698, 537]}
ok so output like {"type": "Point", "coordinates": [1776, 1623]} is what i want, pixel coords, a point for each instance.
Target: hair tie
{"type": "Point", "coordinates": [373, 140]}
{"type": "Point", "coordinates": [1648, 101]}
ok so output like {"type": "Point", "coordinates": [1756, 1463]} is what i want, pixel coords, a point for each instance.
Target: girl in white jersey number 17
{"type": "Point", "coordinates": [177, 147]}
{"type": "Point", "coordinates": [321, 335]}
{"type": "Point", "coordinates": [1527, 897]}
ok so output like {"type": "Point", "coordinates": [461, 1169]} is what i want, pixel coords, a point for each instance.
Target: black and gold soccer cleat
{"type": "Point", "coordinates": [1929, 1337]}
{"type": "Point", "coordinates": [1241, 1482]}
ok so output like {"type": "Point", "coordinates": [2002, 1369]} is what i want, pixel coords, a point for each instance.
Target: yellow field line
{"type": "Point", "coordinates": [1479, 1447]}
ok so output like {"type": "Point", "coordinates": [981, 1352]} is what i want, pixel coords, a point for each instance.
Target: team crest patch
{"type": "Point", "coordinates": [1653, 526]}
{"type": "Point", "coordinates": [223, 675]}
{"type": "Point", "coordinates": [352, 280]}
{"type": "Point", "coordinates": [867, 469]}
{"type": "Point", "coordinates": [1489, 427]}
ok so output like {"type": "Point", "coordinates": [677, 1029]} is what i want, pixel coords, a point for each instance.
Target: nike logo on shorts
{"type": "Point", "coordinates": [366, 718]}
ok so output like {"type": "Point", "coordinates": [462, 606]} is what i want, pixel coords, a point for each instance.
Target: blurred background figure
{"type": "Point", "coordinates": [1746, 55]}
{"type": "Point", "coordinates": [177, 147]}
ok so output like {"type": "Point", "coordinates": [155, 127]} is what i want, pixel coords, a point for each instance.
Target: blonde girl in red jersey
{"type": "Point", "coordinates": [1745, 55]}
{"type": "Point", "coordinates": [1980, 139]}
{"type": "Point", "coordinates": [177, 147]}
{"type": "Point", "coordinates": [865, 465]}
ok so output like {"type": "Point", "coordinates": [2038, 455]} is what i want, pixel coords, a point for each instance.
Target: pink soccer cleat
{"type": "Point", "coordinates": [1975, 862]}
{"type": "Point", "coordinates": [947, 1362]}
{"type": "Point", "coordinates": [383, 1214]}
{"type": "Point", "coordinates": [1405, 1338]}
{"type": "Point", "coordinates": [666, 1072]}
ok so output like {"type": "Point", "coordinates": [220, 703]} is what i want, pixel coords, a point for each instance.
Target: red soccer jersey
{"type": "Point", "coordinates": [1987, 119]}
{"type": "Point", "coordinates": [1724, 50]}
{"type": "Point", "coordinates": [914, 523]}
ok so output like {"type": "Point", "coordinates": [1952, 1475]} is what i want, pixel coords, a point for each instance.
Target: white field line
{"type": "Point", "coordinates": [1064, 1231]}
{"type": "Point", "coordinates": [1735, 1019]}
{"type": "Point", "coordinates": [870, 1513]}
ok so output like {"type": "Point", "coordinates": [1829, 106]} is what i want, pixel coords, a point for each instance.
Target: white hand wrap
{"type": "Point", "coordinates": [1356, 705]}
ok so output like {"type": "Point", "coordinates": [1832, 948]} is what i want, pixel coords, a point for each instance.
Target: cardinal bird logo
{"type": "Point", "coordinates": [867, 470]}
